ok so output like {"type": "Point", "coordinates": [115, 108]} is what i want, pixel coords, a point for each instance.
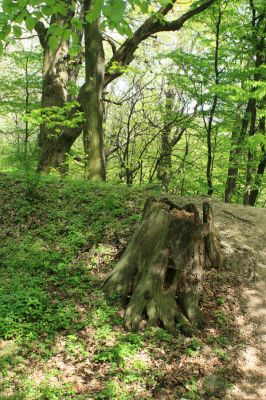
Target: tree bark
{"type": "Point", "coordinates": [209, 126]}
{"type": "Point", "coordinates": [258, 179]}
{"type": "Point", "coordinates": [164, 169]}
{"type": "Point", "coordinates": [54, 93]}
{"type": "Point", "coordinates": [92, 102]}
{"type": "Point", "coordinates": [54, 147]}
{"type": "Point", "coordinates": [250, 158]}
{"type": "Point", "coordinates": [161, 270]}
{"type": "Point", "coordinates": [259, 39]}
{"type": "Point", "coordinates": [237, 142]}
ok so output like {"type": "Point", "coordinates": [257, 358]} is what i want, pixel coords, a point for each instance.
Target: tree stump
{"type": "Point", "coordinates": [161, 269]}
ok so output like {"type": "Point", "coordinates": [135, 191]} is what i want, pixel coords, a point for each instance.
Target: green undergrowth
{"type": "Point", "coordinates": [59, 338]}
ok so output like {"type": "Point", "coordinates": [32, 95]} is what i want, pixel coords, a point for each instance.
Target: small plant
{"type": "Point", "coordinates": [220, 301]}
{"type": "Point", "coordinates": [194, 347]}
{"type": "Point", "coordinates": [112, 391]}
{"type": "Point", "coordinates": [220, 318]}
{"type": "Point", "coordinates": [162, 335]}
{"type": "Point", "coordinates": [221, 354]}
{"type": "Point", "coordinates": [192, 390]}
{"type": "Point", "coordinates": [217, 340]}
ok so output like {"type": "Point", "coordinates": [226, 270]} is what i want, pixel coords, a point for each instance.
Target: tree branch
{"type": "Point", "coordinates": [154, 24]}
{"type": "Point", "coordinates": [42, 33]}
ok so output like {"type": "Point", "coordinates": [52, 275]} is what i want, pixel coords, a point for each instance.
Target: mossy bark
{"type": "Point", "coordinates": [92, 102]}
{"type": "Point", "coordinates": [161, 270]}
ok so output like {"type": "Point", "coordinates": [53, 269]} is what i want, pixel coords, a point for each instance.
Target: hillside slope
{"type": "Point", "coordinates": [60, 339]}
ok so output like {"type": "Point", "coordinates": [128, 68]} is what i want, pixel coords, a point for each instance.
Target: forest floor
{"type": "Point", "coordinates": [60, 338]}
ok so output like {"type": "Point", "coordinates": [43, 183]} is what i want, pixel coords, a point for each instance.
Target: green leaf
{"type": "Point", "coordinates": [30, 23]}
{"type": "Point", "coordinates": [7, 6]}
{"type": "Point", "coordinates": [144, 6]}
{"type": "Point", "coordinates": [66, 34]}
{"type": "Point", "coordinates": [75, 38]}
{"type": "Point", "coordinates": [115, 10]}
{"type": "Point", "coordinates": [47, 10]}
{"type": "Point", "coordinates": [53, 42]}
{"type": "Point", "coordinates": [76, 22]}
{"type": "Point", "coordinates": [164, 2]}
{"type": "Point", "coordinates": [50, 3]}
{"type": "Point", "coordinates": [17, 31]}
{"type": "Point", "coordinates": [95, 11]}
{"type": "Point", "coordinates": [60, 9]}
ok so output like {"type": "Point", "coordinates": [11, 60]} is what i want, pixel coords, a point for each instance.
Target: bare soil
{"type": "Point", "coordinates": [243, 236]}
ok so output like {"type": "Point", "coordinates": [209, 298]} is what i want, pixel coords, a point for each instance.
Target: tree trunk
{"type": "Point", "coordinates": [162, 267]}
{"type": "Point", "coordinates": [237, 142]}
{"type": "Point", "coordinates": [250, 157]}
{"type": "Point", "coordinates": [258, 180]}
{"type": "Point", "coordinates": [209, 125]}
{"type": "Point", "coordinates": [54, 93]}
{"type": "Point", "coordinates": [90, 94]}
{"type": "Point", "coordinates": [54, 151]}
{"type": "Point", "coordinates": [164, 169]}
{"type": "Point", "coordinates": [258, 77]}
{"type": "Point", "coordinates": [250, 113]}
{"type": "Point", "coordinates": [57, 72]}
{"type": "Point", "coordinates": [91, 100]}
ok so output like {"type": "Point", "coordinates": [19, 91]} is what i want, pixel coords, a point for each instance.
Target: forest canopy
{"type": "Point", "coordinates": [137, 92]}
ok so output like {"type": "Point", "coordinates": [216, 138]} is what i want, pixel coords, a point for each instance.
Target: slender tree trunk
{"type": "Point", "coordinates": [249, 115]}
{"type": "Point", "coordinates": [259, 40]}
{"type": "Point", "coordinates": [254, 192]}
{"type": "Point", "coordinates": [27, 96]}
{"type": "Point", "coordinates": [250, 159]}
{"type": "Point", "coordinates": [182, 168]}
{"type": "Point", "coordinates": [258, 180]}
{"type": "Point", "coordinates": [237, 142]}
{"type": "Point", "coordinates": [209, 147]}
{"type": "Point", "coordinates": [92, 102]}
{"type": "Point", "coordinates": [209, 125]}
{"type": "Point", "coordinates": [164, 168]}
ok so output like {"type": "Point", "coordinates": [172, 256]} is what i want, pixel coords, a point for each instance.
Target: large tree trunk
{"type": "Point", "coordinates": [162, 267]}
{"type": "Point", "coordinates": [91, 100]}
{"type": "Point", "coordinates": [57, 72]}
{"type": "Point", "coordinates": [54, 93]}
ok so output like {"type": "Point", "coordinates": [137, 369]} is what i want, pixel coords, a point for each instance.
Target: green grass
{"type": "Point", "coordinates": [58, 238]}
{"type": "Point", "coordinates": [59, 338]}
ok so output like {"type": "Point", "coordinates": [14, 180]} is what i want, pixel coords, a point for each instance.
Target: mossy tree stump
{"type": "Point", "coordinates": [161, 269]}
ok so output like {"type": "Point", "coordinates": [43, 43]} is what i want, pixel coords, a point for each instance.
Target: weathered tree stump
{"type": "Point", "coordinates": [161, 269]}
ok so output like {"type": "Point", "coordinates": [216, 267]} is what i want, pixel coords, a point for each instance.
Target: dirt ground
{"type": "Point", "coordinates": [243, 236]}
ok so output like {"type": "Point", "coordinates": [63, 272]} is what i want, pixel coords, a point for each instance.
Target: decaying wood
{"type": "Point", "coordinates": [161, 270]}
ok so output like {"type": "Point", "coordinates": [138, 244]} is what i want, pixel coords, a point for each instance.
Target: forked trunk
{"type": "Point", "coordinates": [162, 268]}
